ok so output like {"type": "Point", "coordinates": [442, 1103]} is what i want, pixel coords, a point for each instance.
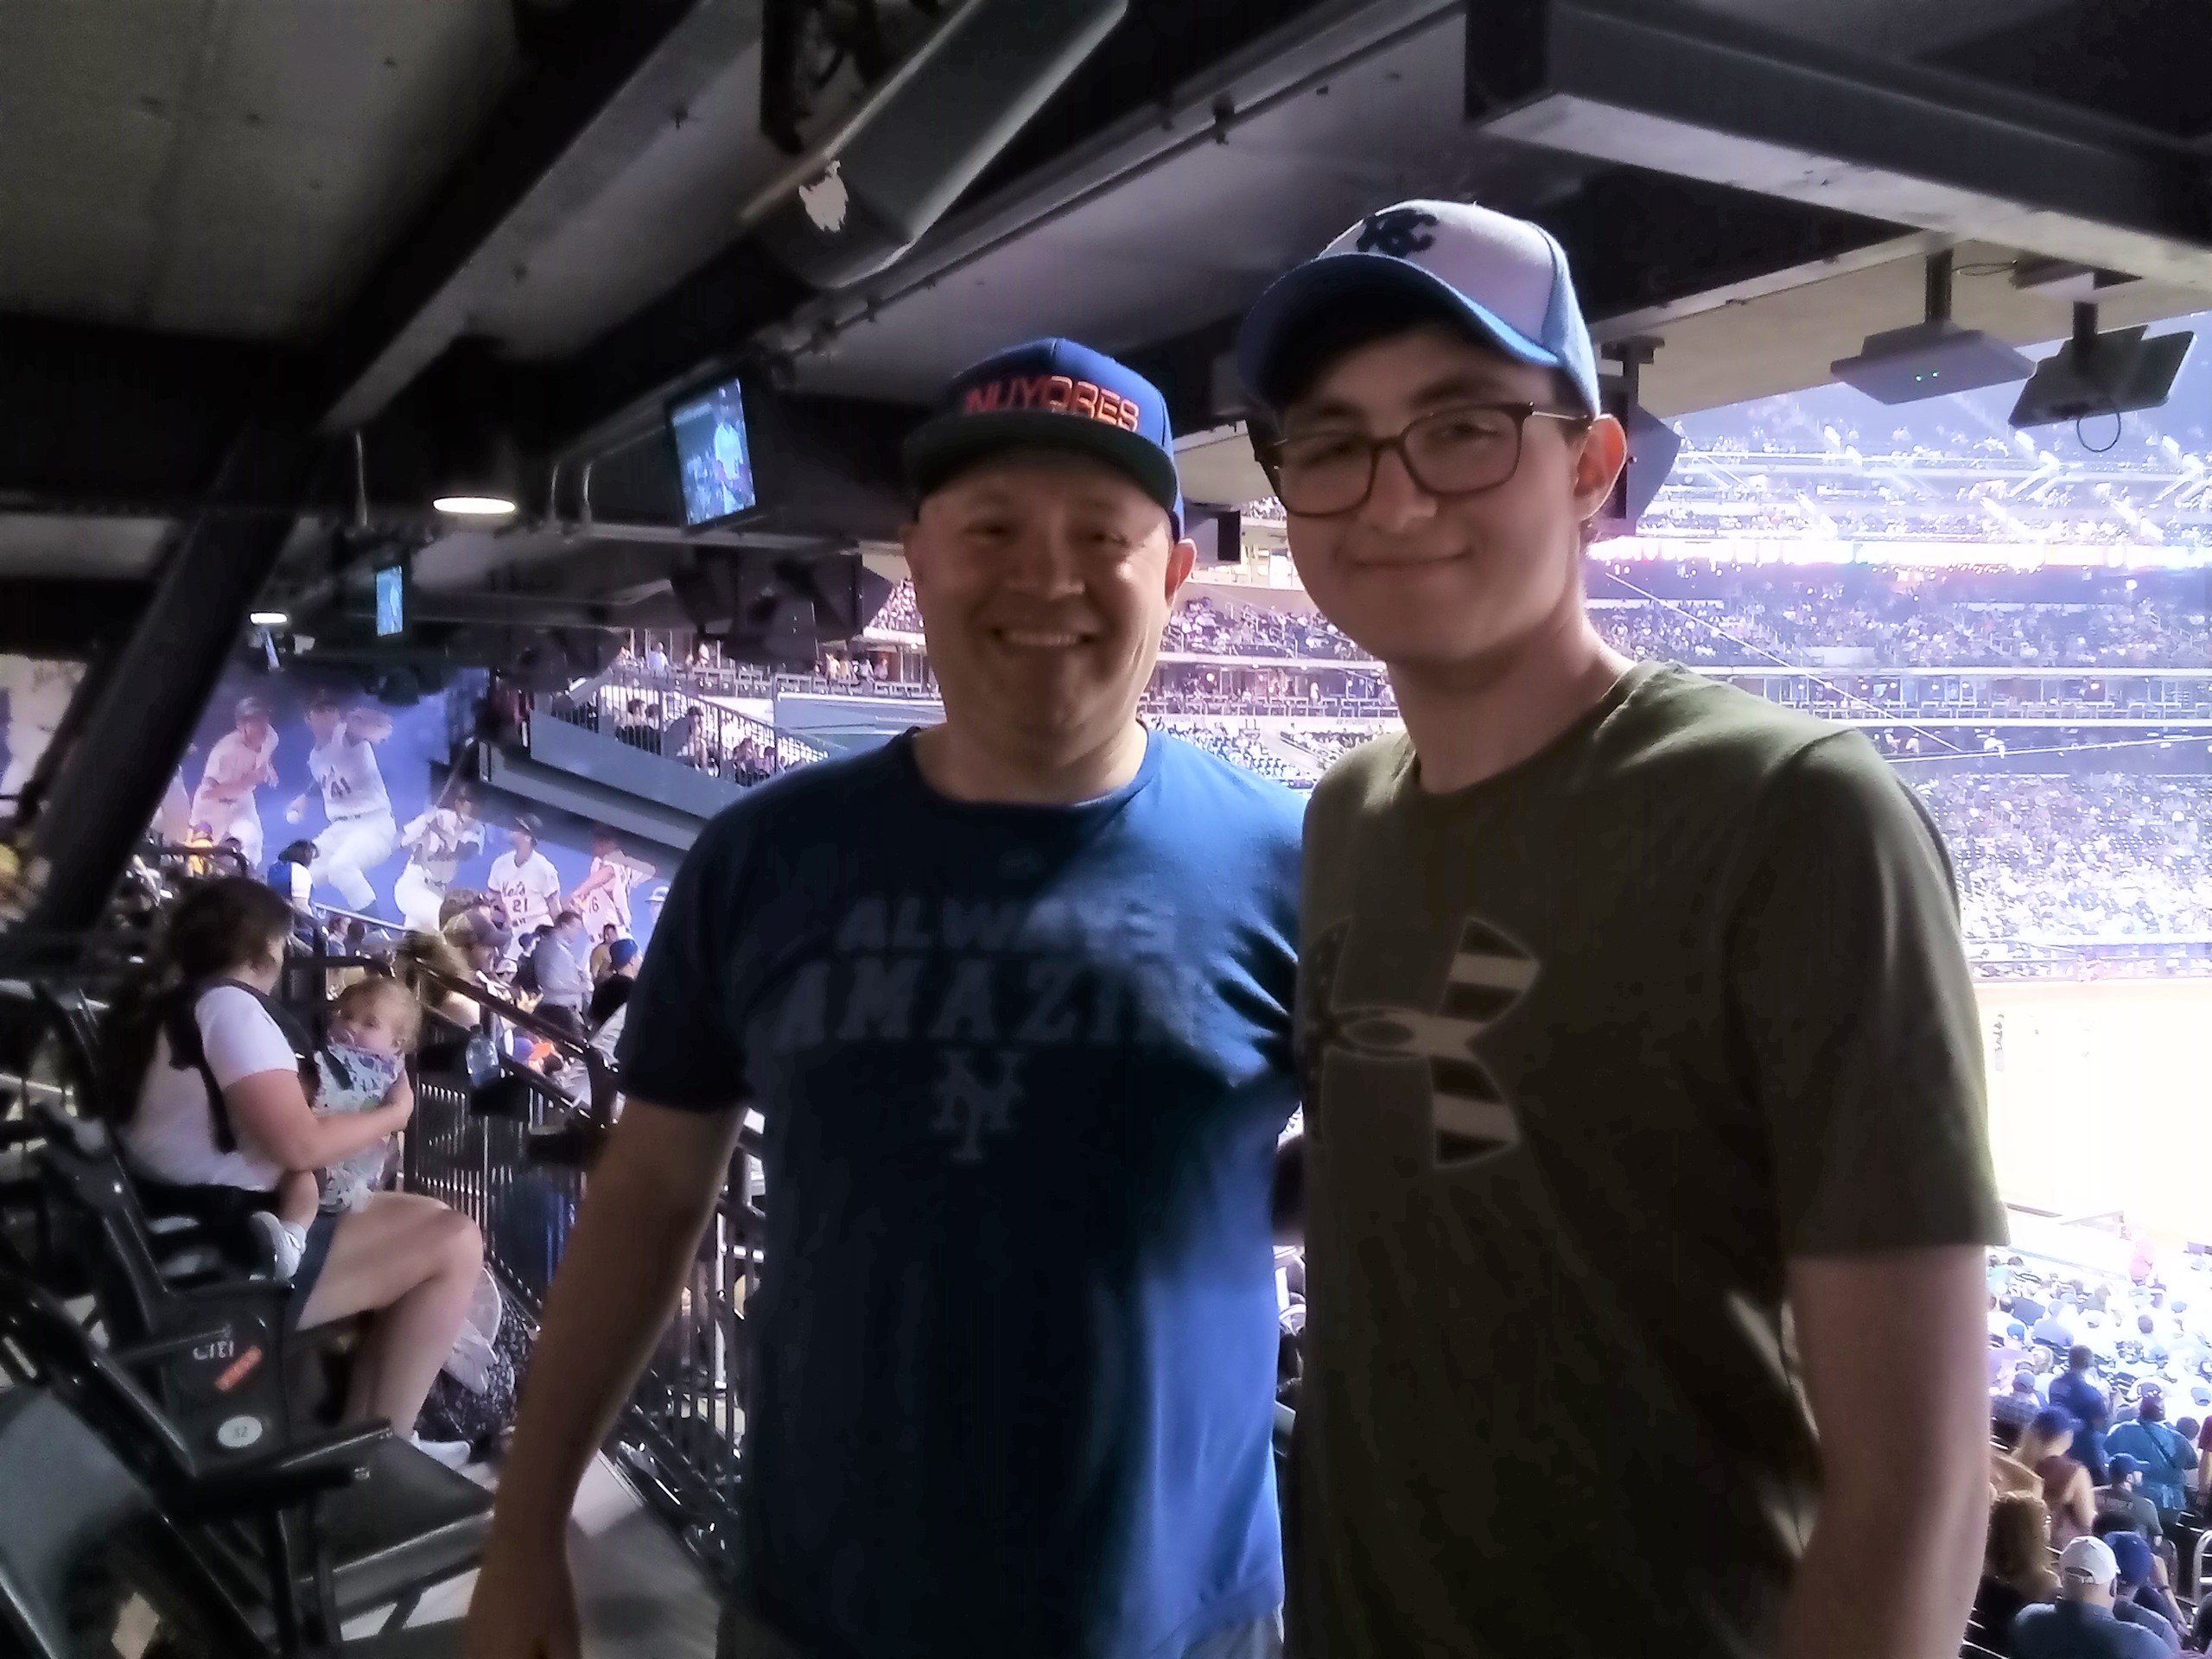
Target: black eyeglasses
{"type": "Point", "coordinates": [1463, 450]}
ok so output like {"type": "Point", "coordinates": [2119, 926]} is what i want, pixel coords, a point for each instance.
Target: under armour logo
{"type": "Point", "coordinates": [1398, 232]}
{"type": "Point", "coordinates": [968, 1109]}
{"type": "Point", "coordinates": [1470, 1117]}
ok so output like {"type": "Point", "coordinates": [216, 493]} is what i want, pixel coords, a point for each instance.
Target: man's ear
{"type": "Point", "coordinates": [1182, 559]}
{"type": "Point", "coordinates": [1598, 465]}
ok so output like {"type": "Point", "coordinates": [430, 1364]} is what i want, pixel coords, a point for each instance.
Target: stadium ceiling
{"type": "Point", "coordinates": [234, 235]}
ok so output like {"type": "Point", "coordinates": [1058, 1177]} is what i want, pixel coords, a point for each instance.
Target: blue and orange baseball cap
{"type": "Point", "coordinates": [1050, 394]}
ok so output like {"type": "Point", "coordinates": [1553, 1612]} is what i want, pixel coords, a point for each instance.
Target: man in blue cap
{"type": "Point", "coordinates": [2166, 1457]}
{"type": "Point", "coordinates": [1644, 1098]}
{"type": "Point", "coordinates": [2122, 1496]}
{"type": "Point", "coordinates": [1013, 995]}
{"type": "Point", "coordinates": [2137, 1598]}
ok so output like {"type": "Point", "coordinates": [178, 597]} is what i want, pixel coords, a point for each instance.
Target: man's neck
{"type": "Point", "coordinates": [957, 766]}
{"type": "Point", "coordinates": [1470, 721]}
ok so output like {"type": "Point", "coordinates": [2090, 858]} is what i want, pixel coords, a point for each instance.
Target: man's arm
{"type": "Point", "coordinates": [649, 1197]}
{"type": "Point", "coordinates": [1891, 1346]}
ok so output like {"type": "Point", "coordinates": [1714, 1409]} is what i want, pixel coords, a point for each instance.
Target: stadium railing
{"type": "Point", "coordinates": [678, 720]}
{"type": "Point", "coordinates": [511, 1149]}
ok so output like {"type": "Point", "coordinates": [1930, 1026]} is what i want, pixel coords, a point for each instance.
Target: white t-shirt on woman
{"type": "Point", "coordinates": [171, 1137]}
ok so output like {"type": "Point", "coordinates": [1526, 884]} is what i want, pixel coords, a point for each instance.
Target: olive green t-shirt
{"type": "Point", "coordinates": [1591, 1048]}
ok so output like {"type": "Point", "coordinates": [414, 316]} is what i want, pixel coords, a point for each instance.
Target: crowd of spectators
{"type": "Point", "coordinates": [1898, 629]}
{"type": "Point", "coordinates": [2104, 855]}
{"type": "Point", "coordinates": [1245, 746]}
{"type": "Point", "coordinates": [574, 981]}
{"type": "Point", "coordinates": [2101, 1421]}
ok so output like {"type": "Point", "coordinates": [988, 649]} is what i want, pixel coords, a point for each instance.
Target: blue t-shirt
{"type": "Point", "coordinates": [2071, 1630]}
{"type": "Point", "coordinates": [1022, 1070]}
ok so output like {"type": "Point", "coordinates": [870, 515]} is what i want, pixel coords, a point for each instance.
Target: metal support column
{"type": "Point", "coordinates": [109, 786]}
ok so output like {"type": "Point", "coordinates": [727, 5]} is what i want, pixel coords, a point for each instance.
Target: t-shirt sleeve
{"type": "Point", "coordinates": [679, 1048]}
{"type": "Point", "coordinates": [239, 1038]}
{"type": "Point", "coordinates": [1855, 1028]}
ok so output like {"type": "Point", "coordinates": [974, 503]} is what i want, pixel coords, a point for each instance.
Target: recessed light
{"type": "Point", "coordinates": [474, 506]}
{"type": "Point", "coordinates": [267, 618]}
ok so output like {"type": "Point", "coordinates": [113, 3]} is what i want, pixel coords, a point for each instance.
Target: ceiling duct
{"type": "Point", "coordinates": [926, 134]}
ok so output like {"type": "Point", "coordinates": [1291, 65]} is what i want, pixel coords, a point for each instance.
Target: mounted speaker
{"type": "Point", "coordinates": [1652, 447]}
{"type": "Point", "coordinates": [929, 132]}
{"type": "Point", "coordinates": [778, 610]}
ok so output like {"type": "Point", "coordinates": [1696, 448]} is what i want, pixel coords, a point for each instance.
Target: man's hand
{"type": "Point", "coordinates": [1893, 1349]}
{"type": "Point", "coordinates": [525, 1603]}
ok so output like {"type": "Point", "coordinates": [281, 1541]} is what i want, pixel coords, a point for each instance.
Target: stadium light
{"type": "Point", "coordinates": [474, 506]}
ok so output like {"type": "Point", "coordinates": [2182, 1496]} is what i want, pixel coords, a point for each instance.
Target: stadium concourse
{"type": "Point", "coordinates": [560, 1100]}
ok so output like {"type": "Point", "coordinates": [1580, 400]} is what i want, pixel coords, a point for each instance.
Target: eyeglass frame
{"type": "Point", "coordinates": [1268, 452]}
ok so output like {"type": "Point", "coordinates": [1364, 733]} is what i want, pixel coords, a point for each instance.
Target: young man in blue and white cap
{"type": "Point", "coordinates": [1644, 1099]}
{"type": "Point", "coordinates": [1014, 996]}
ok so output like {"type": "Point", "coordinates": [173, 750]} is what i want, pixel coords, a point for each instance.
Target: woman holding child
{"type": "Point", "coordinates": [220, 1127]}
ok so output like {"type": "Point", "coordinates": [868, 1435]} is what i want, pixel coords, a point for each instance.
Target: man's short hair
{"type": "Point", "coordinates": [566, 916]}
{"type": "Point", "coordinates": [2078, 1357]}
{"type": "Point", "coordinates": [326, 701]}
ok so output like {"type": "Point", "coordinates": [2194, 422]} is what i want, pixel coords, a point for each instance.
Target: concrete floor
{"type": "Point", "coordinates": [641, 1596]}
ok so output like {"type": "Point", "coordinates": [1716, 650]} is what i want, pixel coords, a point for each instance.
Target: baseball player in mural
{"type": "Point", "coordinates": [242, 760]}
{"type": "Point", "coordinates": [525, 881]}
{"type": "Point", "coordinates": [362, 834]}
{"type": "Point", "coordinates": [603, 896]}
{"type": "Point", "coordinates": [38, 695]}
{"type": "Point", "coordinates": [437, 840]}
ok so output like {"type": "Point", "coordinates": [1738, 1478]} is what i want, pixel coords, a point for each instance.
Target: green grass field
{"type": "Point", "coordinates": [2101, 1098]}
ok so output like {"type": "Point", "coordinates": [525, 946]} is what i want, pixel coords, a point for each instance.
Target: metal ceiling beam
{"type": "Point", "coordinates": [1676, 89]}
{"type": "Point", "coordinates": [602, 80]}
{"type": "Point", "coordinates": [112, 419]}
{"type": "Point", "coordinates": [143, 705]}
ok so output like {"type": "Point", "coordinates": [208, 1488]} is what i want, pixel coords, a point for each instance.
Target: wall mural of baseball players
{"type": "Point", "coordinates": [360, 791]}
{"type": "Point", "coordinates": [36, 691]}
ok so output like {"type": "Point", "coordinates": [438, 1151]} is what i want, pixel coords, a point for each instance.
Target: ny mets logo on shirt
{"type": "Point", "coordinates": [1470, 1118]}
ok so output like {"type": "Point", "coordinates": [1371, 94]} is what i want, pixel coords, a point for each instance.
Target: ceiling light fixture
{"type": "Point", "coordinates": [267, 618]}
{"type": "Point", "coordinates": [475, 507]}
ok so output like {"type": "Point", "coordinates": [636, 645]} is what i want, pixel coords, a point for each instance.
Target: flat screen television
{"type": "Point", "coordinates": [714, 452]}
{"type": "Point", "coordinates": [391, 601]}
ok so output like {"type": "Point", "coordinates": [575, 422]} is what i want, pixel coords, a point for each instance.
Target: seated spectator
{"type": "Point", "coordinates": [2019, 1402]}
{"type": "Point", "coordinates": [2082, 1624]}
{"type": "Point", "coordinates": [2165, 1456]}
{"type": "Point", "coordinates": [564, 983]}
{"type": "Point", "coordinates": [2067, 1491]}
{"type": "Point", "coordinates": [2016, 1568]}
{"type": "Point", "coordinates": [612, 993]}
{"type": "Point", "coordinates": [2136, 1597]}
{"type": "Point", "coordinates": [608, 935]}
{"type": "Point", "coordinates": [2122, 1499]}
{"type": "Point", "coordinates": [2006, 1472]}
{"type": "Point", "coordinates": [216, 1114]}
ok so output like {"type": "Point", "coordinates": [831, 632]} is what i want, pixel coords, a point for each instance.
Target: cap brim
{"type": "Point", "coordinates": [1336, 280]}
{"type": "Point", "coordinates": [934, 453]}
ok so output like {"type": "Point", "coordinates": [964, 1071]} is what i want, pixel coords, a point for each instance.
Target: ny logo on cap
{"type": "Point", "coordinates": [1398, 232]}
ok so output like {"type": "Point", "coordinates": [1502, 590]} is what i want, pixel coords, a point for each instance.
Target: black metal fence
{"type": "Point", "coordinates": [676, 717]}
{"type": "Point", "coordinates": [513, 1154]}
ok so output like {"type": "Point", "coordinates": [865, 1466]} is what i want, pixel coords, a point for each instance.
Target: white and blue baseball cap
{"type": "Point", "coordinates": [1504, 278]}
